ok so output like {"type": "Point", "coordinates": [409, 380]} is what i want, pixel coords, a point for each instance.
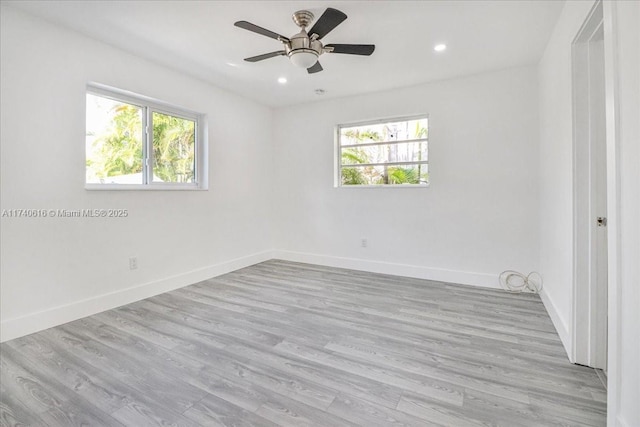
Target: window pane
{"type": "Point", "coordinates": [113, 142]}
{"type": "Point", "coordinates": [174, 141]}
{"type": "Point", "coordinates": [402, 152]}
{"type": "Point", "coordinates": [392, 152]}
{"type": "Point", "coordinates": [382, 132]}
{"type": "Point", "coordinates": [385, 175]}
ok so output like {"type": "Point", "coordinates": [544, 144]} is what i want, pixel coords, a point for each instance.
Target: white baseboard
{"type": "Point", "coordinates": [34, 322]}
{"type": "Point", "coordinates": [452, 276]}
{"type": "Point", "coordinates": [561, 326]}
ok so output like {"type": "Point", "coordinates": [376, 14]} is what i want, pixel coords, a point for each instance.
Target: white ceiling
{"type": "Point", "coordinates": [199, 38]}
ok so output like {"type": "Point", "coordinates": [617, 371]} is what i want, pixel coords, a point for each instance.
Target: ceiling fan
{"type": "Point", "coordinates": [304, 48]}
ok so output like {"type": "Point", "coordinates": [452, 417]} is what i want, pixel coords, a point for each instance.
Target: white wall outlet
{"type": "Point", "coordinates": [133, 263]}
{"type": "Point", "coordinates": [364, 243]}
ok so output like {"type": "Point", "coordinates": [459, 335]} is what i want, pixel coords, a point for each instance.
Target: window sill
{"type": "Point", "coordinates": [141, 187]}
{"type": "Point", "coordinates": [385, 186]}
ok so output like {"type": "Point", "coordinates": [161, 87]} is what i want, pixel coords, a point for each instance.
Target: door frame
{"type": "Point", "coordinates": [611, 73]}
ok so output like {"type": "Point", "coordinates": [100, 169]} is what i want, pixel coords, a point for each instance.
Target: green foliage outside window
{"type": "Point", "coordinates": [173, 148]}
{"type": "Point", "coordinates": [373, 157]}
{"type": "Point", "coordinates": [118, 149]}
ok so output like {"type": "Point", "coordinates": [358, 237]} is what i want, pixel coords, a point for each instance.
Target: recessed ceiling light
{"type": "Point", "coordinates": [231, 64]}
{"type": "Point", "coordinates": [282, 80]}
{"type": "Point", "coordinates": [440, 47]}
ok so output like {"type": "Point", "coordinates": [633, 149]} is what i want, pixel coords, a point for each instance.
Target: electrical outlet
{"type": "Point", "coordinates": [133, 263]}
{"type": "Point", "coordinates": [364, 243]}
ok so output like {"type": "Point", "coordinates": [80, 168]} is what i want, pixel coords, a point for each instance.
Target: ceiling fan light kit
{"type": "Point", "coordinates": [303, 58]}
{"type": "Point", "coordinates": [304, 48]}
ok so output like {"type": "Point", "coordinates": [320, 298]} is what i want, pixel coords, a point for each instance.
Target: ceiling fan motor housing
{"type": "Point", "coordinates": [302, 50]}
{"type": "Point", "coordinates": [302, 41]}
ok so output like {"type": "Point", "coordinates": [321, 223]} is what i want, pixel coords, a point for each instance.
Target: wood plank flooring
{"type": "Point", "coordinates": [289, 344]}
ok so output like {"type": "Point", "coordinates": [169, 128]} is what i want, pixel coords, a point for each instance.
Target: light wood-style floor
{"type": "Point", "coordinates": [290, 344]}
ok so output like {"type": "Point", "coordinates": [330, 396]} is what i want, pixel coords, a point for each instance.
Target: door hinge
{"type": "Point", "coordinates": [602, 221]}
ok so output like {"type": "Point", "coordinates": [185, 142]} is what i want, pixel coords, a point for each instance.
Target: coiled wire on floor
{"type": "Point", "coordinates": [516, 282]}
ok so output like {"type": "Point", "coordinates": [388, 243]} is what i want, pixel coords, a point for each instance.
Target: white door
{"type": "Point", "coordinates": [590, 195]}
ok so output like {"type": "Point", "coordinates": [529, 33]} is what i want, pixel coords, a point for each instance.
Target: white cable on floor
{"type": "Point", "coordinates": [514, 281]}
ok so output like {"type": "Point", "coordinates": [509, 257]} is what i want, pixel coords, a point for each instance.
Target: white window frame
{"type": "Point", "coordinates": [150, 106]}
{"type": "Point", "coordinates": [338, 151]}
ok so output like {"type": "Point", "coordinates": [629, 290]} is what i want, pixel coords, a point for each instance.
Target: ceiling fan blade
{"type": "Point", "coordinates": [315, 68]}
{"type": "Point", "coordinates": [265, 56]}
{"type": "Point", "coordinates": [252, 27]}
{"type": "Point", "coordinates": [353, 49]}
{"type": "Point", "coordinates": [329, 20]}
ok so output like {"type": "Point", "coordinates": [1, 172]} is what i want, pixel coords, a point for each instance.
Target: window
{"type": "Point", "coordinates": [134, 142]}
{"type": "Point", "coordinates": [390, 152]}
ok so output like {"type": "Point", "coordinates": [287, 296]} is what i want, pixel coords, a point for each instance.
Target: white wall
{"type": "Point", "coordinates": [625, 386]}
{"type": "Point", "coordinates": [556, 169]}
{"type": "Point", "coordinates": [478, 217]}
{"type": "Point", "coordinates": [55, 270]}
